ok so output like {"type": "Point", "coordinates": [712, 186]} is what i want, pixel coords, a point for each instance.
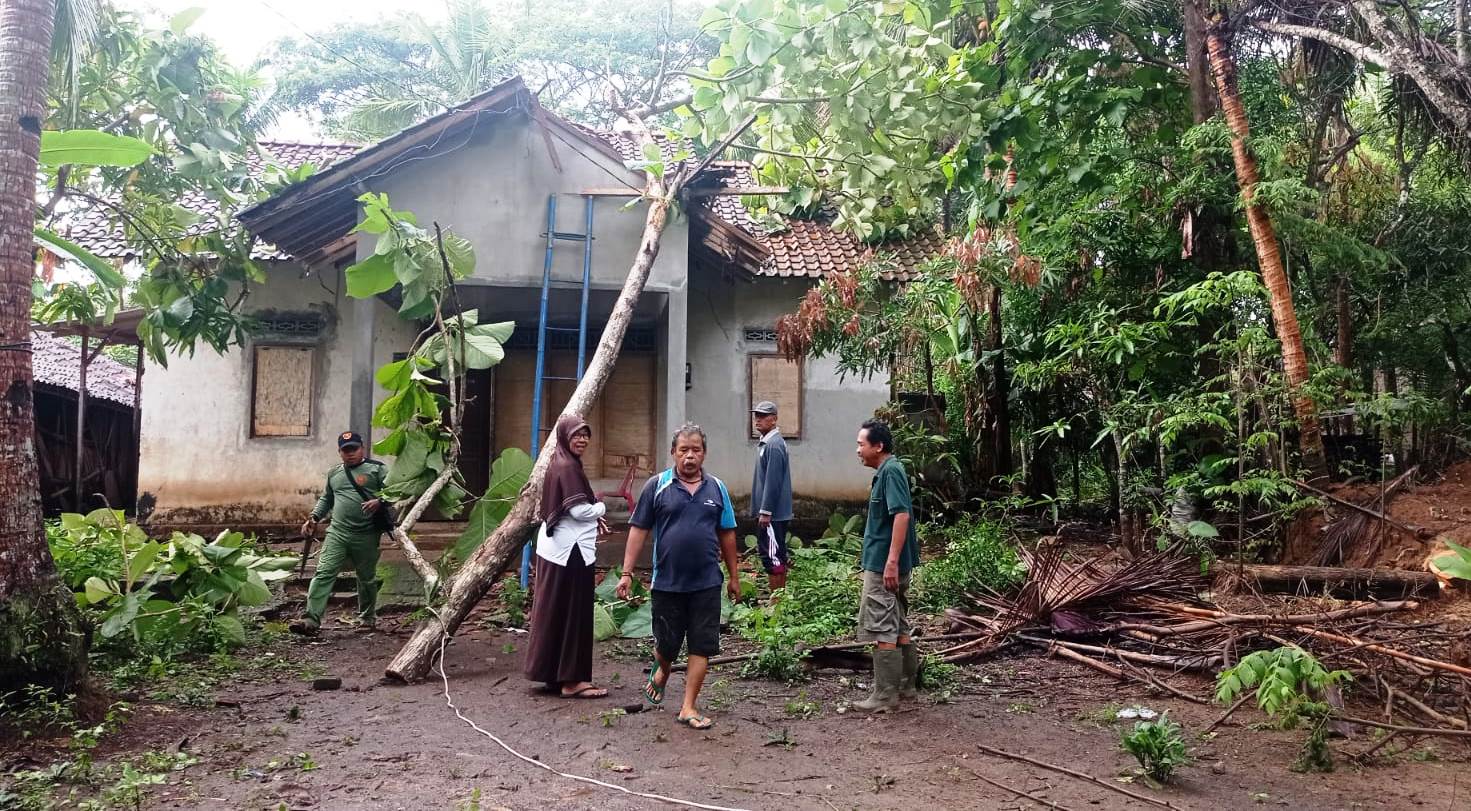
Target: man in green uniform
{"type": "Point", "coordinates": [351, 499]}
{"type": "Point", "coordinates": [890, 553]}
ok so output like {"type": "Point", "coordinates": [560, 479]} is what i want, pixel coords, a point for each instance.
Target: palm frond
{"type": "Point", "coordinates": [376, 118]}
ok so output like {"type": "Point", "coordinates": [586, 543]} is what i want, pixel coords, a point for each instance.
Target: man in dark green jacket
{"type": "Point", "coordinates": [352, 537]}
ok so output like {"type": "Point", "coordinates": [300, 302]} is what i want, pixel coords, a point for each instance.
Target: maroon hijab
{"type": "Point", "coordinates": [566, 483]}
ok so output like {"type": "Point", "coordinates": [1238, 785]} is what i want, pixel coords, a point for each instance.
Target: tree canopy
{"type": "Point", "coordinates": [364, 81]}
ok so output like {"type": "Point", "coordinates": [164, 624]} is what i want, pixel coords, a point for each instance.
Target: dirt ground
{"type": "Point", "coordinates": [1441, 505]}
{"type": "Point", "coordinates": [272, 742]}
{"type": "Point", "coordinates": [371, 746]}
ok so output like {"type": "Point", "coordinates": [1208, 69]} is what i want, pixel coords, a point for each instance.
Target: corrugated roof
{"type": "Point", "coordinates": [57, 362]}
{"type": "Point", "coordinates": [97, 229]}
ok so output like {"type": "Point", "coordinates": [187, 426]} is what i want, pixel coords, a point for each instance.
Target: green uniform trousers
{"type": "Point", "coordinates": [361, 550]}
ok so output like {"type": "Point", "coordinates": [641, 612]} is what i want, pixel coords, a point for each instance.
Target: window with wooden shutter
{"type": "Point", "coordinates": [281, 391]}
{"type": "Point", "coordinates": [773, 377]}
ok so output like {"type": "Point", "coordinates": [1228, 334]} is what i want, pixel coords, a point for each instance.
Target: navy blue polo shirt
{"type": "Point", "coordinates": [686, 528]}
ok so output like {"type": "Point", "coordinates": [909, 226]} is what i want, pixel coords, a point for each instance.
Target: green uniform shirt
{"type": "Point", "coordinates": [341, 499]}
{"type": "Point", "coordinates": [888, 498]}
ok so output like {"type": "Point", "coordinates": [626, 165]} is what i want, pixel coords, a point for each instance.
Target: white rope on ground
{"type": "Point", "coordinates": [444, 637]}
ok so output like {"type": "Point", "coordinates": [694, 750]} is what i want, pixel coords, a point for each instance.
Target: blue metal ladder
{"type": "Point", "coordinates": [553, 235]}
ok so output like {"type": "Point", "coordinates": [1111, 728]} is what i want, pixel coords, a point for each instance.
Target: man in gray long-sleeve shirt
{"type": "Point", "coordinates": [771, 494]}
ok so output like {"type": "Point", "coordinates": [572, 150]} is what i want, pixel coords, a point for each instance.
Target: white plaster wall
{"type": "Point", "coordinates": [197, 456]}
{"type": "Point", "coordinates": [493, 191]}
{"type": "Point", "coordinates": [824, 465]}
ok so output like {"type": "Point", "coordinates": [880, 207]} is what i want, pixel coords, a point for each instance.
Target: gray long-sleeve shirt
{"type": "Point", "coordinates": [771, 484]}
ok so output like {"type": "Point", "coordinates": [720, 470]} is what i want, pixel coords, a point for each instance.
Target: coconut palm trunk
{"type": "Point", "coordinates": [1269, 255]}
{"type": "Point", "coordinates": [42, 639]}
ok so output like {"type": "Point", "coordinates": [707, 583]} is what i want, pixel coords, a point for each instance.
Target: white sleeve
{"type": "Point", "coordinates": [587, 512]}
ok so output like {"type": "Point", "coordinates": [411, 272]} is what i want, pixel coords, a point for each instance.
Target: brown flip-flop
{"type": "Point", "coordinates": [590, 691]}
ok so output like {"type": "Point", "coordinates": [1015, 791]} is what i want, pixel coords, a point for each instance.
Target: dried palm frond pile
{"type": "Point", "coordinates": [1133, 619]}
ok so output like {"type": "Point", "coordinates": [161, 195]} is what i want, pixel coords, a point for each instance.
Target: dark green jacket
{"type": "Point", "coordinates": [341, 500]}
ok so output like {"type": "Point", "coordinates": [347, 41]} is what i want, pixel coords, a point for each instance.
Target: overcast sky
{"type": "Point", "coordinates": [246, 28]}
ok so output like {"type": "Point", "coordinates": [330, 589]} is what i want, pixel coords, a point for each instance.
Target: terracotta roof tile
{"type": "Point", "coordinates": [56, 362]}
{"type": "Point", "coordinates": [813, 248]}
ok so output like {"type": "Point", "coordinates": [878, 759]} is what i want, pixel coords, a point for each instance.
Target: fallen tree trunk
{"type": "Point", "coordinates": [474, 579]}
{"type": "Point", "coordinates": [1344, 583]}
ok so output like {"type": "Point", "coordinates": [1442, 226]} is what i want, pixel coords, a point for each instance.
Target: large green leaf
{"type": "Point", "coordinates": [91, 148]}
{"type": "Point", "coordinates": [507, 476]}
{"type": "Point", "coordinates": [370, 277]}
{"type": "Point", "coordinates": [412, 460]}
{"type": "Point", "coordinates": [121, 617]}
{"type": "Point", "coordinates": [461, 255]}
{"type": "Point", "coordinates": [607, 591]}
{"type": "Point", "coordinates": [142, 560]}
{"type": "Point", "coordinates": [500, 330]}
{"type": "Point", "coordinates": [640, 624]}
{"type": "Point", "coordinates": [396, 376]}
{"type": "Point", "coordinates": [181, 22]}
{"type": "Point", "coordinates": [1457, 564]}
{"type": "Point", "coordinates": [603, 626]}
{"type": "Point", "coordinates": [60, 246]}
{"type": "Point", "coordinates": [97, 590]}
{"type": "Point", "coordinates": [482, 350]}
{"type": "Point", "coordinates": [230, 628]}
{"type": "Point", "coordinates": [254, 591]}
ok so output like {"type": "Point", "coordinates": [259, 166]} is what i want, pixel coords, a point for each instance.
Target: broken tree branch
{"type": "Point", "coordinates": [1080, 775]}
{"type": "Point", "coordinates": [1418, 532]}
{"type": "Point", "coordinates": [1247, 696]}
{"type": "Point", "coordinates": [1433, 664]}
{"type": "Point", "coordinates": [1445, 733]}
{"type": "Point", "coordinates": [1036, 798]}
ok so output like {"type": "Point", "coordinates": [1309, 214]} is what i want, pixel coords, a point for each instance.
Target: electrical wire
{"type": "Point", "coordinates": [444, 637]}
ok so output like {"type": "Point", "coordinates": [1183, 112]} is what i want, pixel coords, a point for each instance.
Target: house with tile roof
{"type": "Point", "coordinates": [503, 172]}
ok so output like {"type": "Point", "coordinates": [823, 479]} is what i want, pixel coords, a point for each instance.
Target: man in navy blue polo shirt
{"type": "Point", "coordinates": [693, 522]}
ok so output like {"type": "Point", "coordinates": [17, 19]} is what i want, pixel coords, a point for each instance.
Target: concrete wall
{"type": "Point", "coordinates": [823, 462]}
{"type": "Point", "coordinates": [493, 191]}
{"type": "Point", "coordinates": [198, 459]}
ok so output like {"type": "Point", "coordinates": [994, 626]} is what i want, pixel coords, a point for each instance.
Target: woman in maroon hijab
{"type": "Point", "coordinates": [560, 653]}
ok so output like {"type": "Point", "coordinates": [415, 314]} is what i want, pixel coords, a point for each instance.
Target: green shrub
{"type": "Point", "coordinates": [89, 546]}
{"type": "Point", "coordinates": [1289, 684]}
{"type": "Point", "coordinates": [818, 604]}
{"type": "Point", "coordinates": [162, 597]}
{"type": "Point", "coordinates": [1158, 746]}
{"type": "Point", "coordinates": [977, 557]}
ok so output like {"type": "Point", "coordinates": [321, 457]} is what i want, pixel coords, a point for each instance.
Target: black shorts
{"type": "Point", "coordinates": [771, 545]}
{"type": "Point", "coordinates": [687, 615]}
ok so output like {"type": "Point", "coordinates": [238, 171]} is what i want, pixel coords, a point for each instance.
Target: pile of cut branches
{"type": "Point", "coordinates": [1150, 619]}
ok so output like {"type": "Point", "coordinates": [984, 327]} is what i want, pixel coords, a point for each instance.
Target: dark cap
{"type": "Point", "coordinates": [765, 408]}
{"type": "Point", "coordinates": [347, 438]}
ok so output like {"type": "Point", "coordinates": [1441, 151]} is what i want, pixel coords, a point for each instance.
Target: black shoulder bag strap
{"type": "Point", "coordinates": [382, 519]}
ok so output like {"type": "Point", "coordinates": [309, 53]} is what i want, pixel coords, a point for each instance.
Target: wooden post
{"type": "Point", "coordinates": [137, 459]}
{"type": "Point", "coordinates": [81, 422]}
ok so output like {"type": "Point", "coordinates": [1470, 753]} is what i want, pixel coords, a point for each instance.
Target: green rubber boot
{"type": "Point", "coordinates": [909, 681]}
{"type": "Point", "coordinates": [888, 669]}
